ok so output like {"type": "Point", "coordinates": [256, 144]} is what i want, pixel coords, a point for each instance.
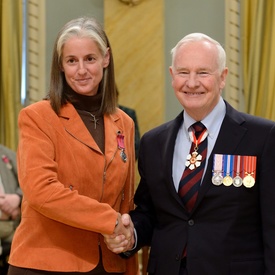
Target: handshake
{"type": "Point", "coordinates": [123, 238]}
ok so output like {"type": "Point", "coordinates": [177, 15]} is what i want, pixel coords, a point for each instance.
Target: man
{"type": "Point", "coordinates": [228, 226]}
{"type": "Point", "coordinates": [10, 200]}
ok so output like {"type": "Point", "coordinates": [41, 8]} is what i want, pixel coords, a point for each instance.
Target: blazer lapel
{"type": "Point", "coordinates": [74, 125]}
{"type": "Point", "coordinates": [112, 128]}
{"type": "Point", "coordinates": [76, 128]}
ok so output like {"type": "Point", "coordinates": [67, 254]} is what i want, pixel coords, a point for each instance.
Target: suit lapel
{"type": "Point", "coordinates": [167, 144]}
{"type": "Point", "coordinates": [230, 135]}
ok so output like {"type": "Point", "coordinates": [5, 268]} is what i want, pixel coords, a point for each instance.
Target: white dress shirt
{"type": "Point", "coordinates": [183, 143]}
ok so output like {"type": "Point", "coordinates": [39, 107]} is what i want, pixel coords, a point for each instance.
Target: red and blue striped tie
{"type": "Point", "coordinates": [192, 175]}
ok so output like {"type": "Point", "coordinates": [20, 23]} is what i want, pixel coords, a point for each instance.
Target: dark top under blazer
{"type": "Point", "coordinates": [231, 230]}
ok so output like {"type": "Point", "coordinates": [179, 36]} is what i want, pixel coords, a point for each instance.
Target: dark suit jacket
{"type": "Point", "coordinates": [231, 230]}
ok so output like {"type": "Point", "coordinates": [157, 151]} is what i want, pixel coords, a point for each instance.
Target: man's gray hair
{"type": "Point", "coordinates": [193, 37]}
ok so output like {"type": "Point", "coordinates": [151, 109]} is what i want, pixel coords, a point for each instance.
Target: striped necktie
{"type": "Point", "coordinates": [195, 163]}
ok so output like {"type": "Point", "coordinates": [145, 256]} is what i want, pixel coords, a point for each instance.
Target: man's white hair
{"type": "Point", "coordinates": [193, 37]}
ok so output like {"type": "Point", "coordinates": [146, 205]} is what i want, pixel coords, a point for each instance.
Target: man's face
{"type": "Point", "coordinates": [196, 78]}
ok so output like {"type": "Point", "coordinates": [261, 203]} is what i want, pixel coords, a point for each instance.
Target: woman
{"type": "Point", "coordinates": [75, 163]}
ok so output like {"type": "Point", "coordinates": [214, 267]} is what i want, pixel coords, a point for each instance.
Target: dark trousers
{"type": "Point", "coordinates": [99, 270]}
{"type": "Point", "coordinates": [183, 269]}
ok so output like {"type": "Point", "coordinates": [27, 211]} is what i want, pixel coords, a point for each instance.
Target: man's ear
{"type": "Point", "coordinates": [223, 78]}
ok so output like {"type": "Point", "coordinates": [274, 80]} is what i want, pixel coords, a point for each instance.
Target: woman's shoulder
{"type": "Point", "coordinates": [40, 105]}
{"type": "Point", "coordinates": [41, 109]}
{"type": "Point", "coordinates": [121, 117]}
{"type": "Point", "coordinates": [122, 114]}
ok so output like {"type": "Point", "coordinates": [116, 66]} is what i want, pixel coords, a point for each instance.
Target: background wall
{"type": "Point", "coordinates": [181, 18]}
{"type": "Point", "coordinates": [59, 12]}
{"type": "Point", "coordinates": [141, 37]}
{"type": "Point", "coordinates": [136, 34]}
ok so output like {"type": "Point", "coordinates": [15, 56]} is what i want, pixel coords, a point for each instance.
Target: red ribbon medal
{"type": "Point", "coordinates": [121, 146]}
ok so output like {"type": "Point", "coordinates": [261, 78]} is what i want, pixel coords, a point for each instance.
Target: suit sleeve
{"type": "Point", "coordinates": [143, 216]}
{"type": "Point", "coordinates": [267, 200]}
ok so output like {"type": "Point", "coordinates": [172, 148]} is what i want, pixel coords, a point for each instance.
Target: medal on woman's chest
{"type": "Point", "coordinates": [6, 160]}
{"type": "Point", "coordinates": [121, 146]}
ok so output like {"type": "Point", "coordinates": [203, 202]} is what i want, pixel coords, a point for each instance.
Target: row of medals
{"type": "Point", "coordinates": [248, 181]}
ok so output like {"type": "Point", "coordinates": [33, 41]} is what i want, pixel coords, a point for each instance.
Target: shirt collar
{"type": "Point", "coordinates": [212, 121]}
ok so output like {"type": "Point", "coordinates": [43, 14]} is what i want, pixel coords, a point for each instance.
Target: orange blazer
{"type": "Point", "coordinates": [72, 191]}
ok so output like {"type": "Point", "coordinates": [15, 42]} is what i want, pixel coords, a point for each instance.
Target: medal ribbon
{"type": "Point", "coordinates": [6, 160]}
{"type": "Point", "coordinates": [250, 166]}
{"type": "Point", "coordinates": [199, 140]}
{"type": "Point", "coordinates": [228, 164]}
{"type": "Point", "coordinates": [218, 160]}
{"type": "Point", "coordinates": [237, 165]}
{"type": "Point", "coordinates": [120, 141]}
{"type": "Point", "coordinates": [121, 146]}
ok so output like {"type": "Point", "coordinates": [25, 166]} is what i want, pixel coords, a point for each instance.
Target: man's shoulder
{"type": "Point", "coordinates": [246, 119]}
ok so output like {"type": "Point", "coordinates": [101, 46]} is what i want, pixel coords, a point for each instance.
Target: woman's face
{"type": "Point", "coordinates": [83, 64]}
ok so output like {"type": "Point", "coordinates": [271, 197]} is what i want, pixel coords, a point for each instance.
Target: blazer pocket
{"type": "Point", "coordinates": [251, 267]}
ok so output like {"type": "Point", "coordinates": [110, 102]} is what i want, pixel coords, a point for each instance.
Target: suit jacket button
{"type": "Point", "coordinates": [191, 222]}
{"type": "Point", "coordinates": [178, 257]}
